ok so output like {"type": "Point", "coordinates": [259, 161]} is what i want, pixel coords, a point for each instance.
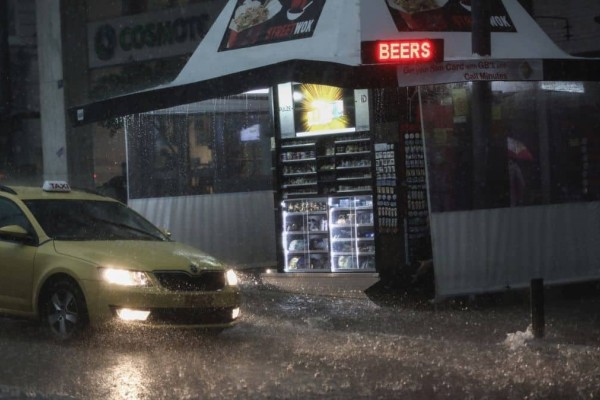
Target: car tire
{"type": "Point", "coordinates": [64, 310]}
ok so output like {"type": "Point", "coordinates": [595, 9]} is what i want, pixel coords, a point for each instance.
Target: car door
{"type": "Point", "coordinates": [16, 260]}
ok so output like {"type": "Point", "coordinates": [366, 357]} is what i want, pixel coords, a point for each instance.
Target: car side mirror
{"type": "Point", "coordinates": [14, 232]}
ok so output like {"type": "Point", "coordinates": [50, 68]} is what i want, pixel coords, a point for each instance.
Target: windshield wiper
{"type": "Point", "coordinates": [128, 227]}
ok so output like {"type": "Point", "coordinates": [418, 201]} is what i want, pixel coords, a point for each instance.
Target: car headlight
{"type": "Point", "coordinates": [124, 277]}
{"type": "Point", "coordinates": [232, 279]}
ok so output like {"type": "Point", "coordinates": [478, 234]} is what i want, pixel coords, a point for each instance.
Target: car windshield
{"type": "Point", "coordinates": [91, 220]}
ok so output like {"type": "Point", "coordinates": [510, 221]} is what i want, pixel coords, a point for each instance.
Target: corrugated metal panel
{"type": "Point", "coordinates": [490, 250]}
{"type": "Point", "coordinates": [238, 227]}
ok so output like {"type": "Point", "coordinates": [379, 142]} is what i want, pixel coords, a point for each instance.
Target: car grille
{"type": "Point", "coordinates": [190, 316]}
{"type": "Point", "coordinates": [205, 281]}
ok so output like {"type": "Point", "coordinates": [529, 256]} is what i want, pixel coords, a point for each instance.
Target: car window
{"type": "Point", "coordinates": [92, 220]}
{"type": "Point", "coordinates": [11, 214]}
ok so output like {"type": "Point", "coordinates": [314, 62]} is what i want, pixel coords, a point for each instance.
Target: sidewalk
{"type": "Point", "coordinates": [348, 285]}
{"type": "Point", "coordinates": [393, 294]}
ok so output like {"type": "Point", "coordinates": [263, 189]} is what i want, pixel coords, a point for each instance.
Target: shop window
{"type": "Point", "coordinates": [218, 146]}
{"type": "Point", "coordinates": [539, 144]}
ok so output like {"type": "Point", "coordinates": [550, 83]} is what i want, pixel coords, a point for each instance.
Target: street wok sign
{"type": "Point", "coordinates": [257, 22]}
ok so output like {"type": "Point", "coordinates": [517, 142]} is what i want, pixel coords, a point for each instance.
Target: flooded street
{"type": "Point", "coordinates": [309, 346]}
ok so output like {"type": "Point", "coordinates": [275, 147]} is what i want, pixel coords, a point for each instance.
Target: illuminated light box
{"type": "Point", "coordinates": [406, 51]}
{"type": "Point", "coordinates": [322, 109]}
{"type": "Point", "coordinates": [311, 110]}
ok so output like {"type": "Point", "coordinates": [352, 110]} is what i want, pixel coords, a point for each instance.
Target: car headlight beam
{"type": "Point", "coordinates": [124, 277]}
{"type": "Point", "coordinates": [231, 276]}
{"type": "Point", "coordinates": [128, 314]}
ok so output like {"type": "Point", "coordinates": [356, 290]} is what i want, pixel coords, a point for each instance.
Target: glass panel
{"type": "Point", "coordinates": [215, 146]}
{"type": "Point", "coordinates": [532, 143]}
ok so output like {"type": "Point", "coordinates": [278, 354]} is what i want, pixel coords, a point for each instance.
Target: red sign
{"type": "Point", "coordinates": [256, 22]}
{"type": "Point", "coordinates": [403, 51]}
{"type": "Point", "coordinates": [411, 50]}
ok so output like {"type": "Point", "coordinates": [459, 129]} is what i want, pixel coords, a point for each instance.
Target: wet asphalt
{"type": "Point", "coordinates": [304, 346]}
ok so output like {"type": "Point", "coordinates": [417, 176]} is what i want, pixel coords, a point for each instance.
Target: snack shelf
{"type": "Point", "coordinates": [354, 153]}
{"type": "Point", "coordinates": [305, 235]}
{"type": "Point", "coordinates": [298, 160]}
{"type": "Point", "coordinates": [353, 167]}
{"type": "Point", "coordinates": [293, 185]}
{"type": "Point", "coordinates": [352, 232]}
{"type": "Point", "coordinates": [297, 145]}
{"type": "Point", "coordinates": [300, 173]}
{"type": "Point", "coordinates": [337, 164]}
{"type": "Point", "coordinates": [328, 234]}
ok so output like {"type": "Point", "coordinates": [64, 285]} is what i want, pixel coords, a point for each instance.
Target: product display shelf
{"type": "Point", "coordinates": [299, 169]}
{"type": "Point", "coordinates": [353, 165]}
{"type": "Point", "coordinates": [294, 145]}
{"type": "Point", "coordinates": [306, 235]}
{"type": "Point", "coordinates": [352, 234]}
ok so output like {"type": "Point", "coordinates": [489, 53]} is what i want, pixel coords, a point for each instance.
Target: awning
{"type": "Point", "coordinates": [259, 43]}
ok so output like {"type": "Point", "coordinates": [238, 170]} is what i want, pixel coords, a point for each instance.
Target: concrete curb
{"type": "Point", "coordinates": [349, 285]}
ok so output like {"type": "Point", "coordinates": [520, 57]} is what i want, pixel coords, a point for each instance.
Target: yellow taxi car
{"type": "Point", "coordinates": [76, 259]}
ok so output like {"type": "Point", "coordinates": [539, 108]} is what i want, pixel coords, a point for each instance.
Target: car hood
{"type": "Point", "coordinates": [139, 255]}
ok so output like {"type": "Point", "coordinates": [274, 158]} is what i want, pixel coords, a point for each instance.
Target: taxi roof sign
{"type": "Point", "coordinates": [56, 186]}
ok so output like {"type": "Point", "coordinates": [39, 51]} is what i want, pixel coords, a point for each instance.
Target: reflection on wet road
{"type": "Point", "coordinates": [127, 377]}
{"type": "Point", "coordinates": [295, 346]}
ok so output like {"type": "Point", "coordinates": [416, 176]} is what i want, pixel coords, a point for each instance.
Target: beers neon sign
{"type": "Point", "coordinates": [410, 50]}
{"type": "Point", "coordinates": [403, 51]}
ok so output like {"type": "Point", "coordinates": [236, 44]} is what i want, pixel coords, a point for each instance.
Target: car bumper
{"type": "Point", "coordinates": [167, 309]}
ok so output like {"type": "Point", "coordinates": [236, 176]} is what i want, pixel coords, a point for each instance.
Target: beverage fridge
{"type": "Point", "coordinates": [329, 234]}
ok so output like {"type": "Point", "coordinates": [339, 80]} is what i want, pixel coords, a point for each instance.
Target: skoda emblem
{"type": "Point", "coordinates": [194, 269]}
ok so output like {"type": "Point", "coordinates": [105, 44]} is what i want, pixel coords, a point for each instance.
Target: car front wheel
{"type": "Point", "coordinates": [64, 309]}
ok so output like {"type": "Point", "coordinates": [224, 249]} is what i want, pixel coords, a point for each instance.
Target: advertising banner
{"type": "Point", "coordinates": [143, 37]}
{"type": "Point", "coordinates": [321, 109]}
{"type": "Point", "coordinates": [256, 22]}
{"type": "Point", "coordinates": [471, 70]}
{"type": "Point", "coordinates": [444, 15]}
